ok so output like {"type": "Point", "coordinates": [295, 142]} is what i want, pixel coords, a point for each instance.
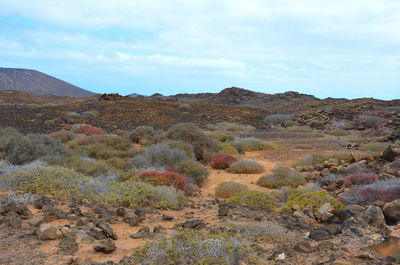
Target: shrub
{"type": "Point", "coordinates": [370, 121]}
{"type": "Point", "coordinates": [221, 136]}
{"type": "Point", "coordinates": [252, 144]}
{"type": "Point", "coordinates": [190, 133]}
{"type": "Point", "coordinates": [143, 135]}
{"type": "Point", "coordinates": [87, 166]}
{"type": "Point", "coordinates": [265, 231]}
{"type": "Point", "coordinates": [374, 147]}
{"type": "Point", "coordinates": [246, 166]}
{"type": "Point", "coordinates": [91, 130]}
{"type": "Point", "coordinates": [66, 184]}
{"type": "Point", "coordinates": [315, 160]}
{"type": "Point", "coordinates": [315, 199]}
{"type": "Point", "coordinates": [231, 126]}
{"type": "Point", "coordinates": [227, 189]}
{"type": "Point", "coordinates": [282, 176]}
{"type": "Point", "coordinates": [299, 129]}
{"type": "Point", "coordinates": [184, 106]}
{"type": "Point", "coordinates": [19, 149]}
{"type": "Point", "coordinates": [360, 178]}
{"type": "Point", "coordinates": [254, 199]}
{"type": "Point", "coordinates": [192, 171]}
{"type": "Point", "coordinates": [159, 156]}
{"type": "Point", "coordinates": [277, 118]}
{"type": "Point", "coordinates": [222, 161]}
{"type": "Point", "coordinates": [337, 132]}
{"type": "Point", "coordinates": [339, 124]}
{"type": "Point", "coordinates": [179, 145]}
{"type": "Point", "coordinates": [197, 247]}
{"type": "Point", "coordinates": [386, 190]}
{"type": "Point", "coordinates": [63, 135]}
{"type": "Point", "coordinates": [117, 162]}
{"type": "Point", "coordinates": [165, 178]}
{"type": "Point", "coordinates": [226, 148]}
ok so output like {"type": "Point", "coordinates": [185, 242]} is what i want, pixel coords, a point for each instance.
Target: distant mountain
{"type": "Point", "coordinates": [35, 82]}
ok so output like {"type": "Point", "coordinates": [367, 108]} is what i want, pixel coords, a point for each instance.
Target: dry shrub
{"type": "Point", "coordinates": [246, 166]}
{"type": "Point", "coordinates": [282, 176]}
{"type": "Point", "coordinates": [227, 189]}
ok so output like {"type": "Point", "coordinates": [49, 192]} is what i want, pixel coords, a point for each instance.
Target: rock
{"type": "Point", "coordinates": [193, 224]}
{"type": "Point", "coordinates": [121, 211]}
{"type": "Point", "coordinates": [18, 208]}
{"type": "Point", "coordinates": [304, 247]}
{"type": "Point", "coordinates": [41, 201]}
{"type": "Point", "coordinates": [132, 219]}
{"type": "Point", "coordinates": [47, 232]}
{"type": "Point", "coordinates": [13, 221]}
{"type": "Point", "coordinates": [81, 222]}
{"type": "Point", "coordinates": [376, 217]}
{"type": "Point", "coordinates": [325, 246]}
{"type": "Point", "coordinates": [325, 212]}
{"type": "Point", "coordinates": [68, 246]}
{"type": "Point", "coordinates": [167, 217]}
{"type": "Point", "coordinates": [319, 235]}
{"type": "Point", "coordinates": [391, 211]}
{"type": "Point", "coordinates": [51, 213]}
{"type": "Point", "coordinates": [157, 229]}
{"type": "Point", "coordinates": [141, 212]}
{"type": "Point", "coordinates": [104, 245]}
{"type": "Point", "coordinates": [223, 210]}
{"type": "Point", "coordinates": [127, 260]}
{"type": "Point", "coordinates": [389, 247]}
{"type": "Point", "coordinates": [389, 155]}
{"type": "Point", "coordinates": [107, 231]}
{"type": "Point", "coordinates": [35, 222]}
{"type": "Point", "coordinates": [142, 233]}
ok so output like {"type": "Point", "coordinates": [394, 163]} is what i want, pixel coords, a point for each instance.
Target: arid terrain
{"type": "Point", "coordinates": [236, 177]}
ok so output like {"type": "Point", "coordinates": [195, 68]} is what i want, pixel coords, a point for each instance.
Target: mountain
{"type": "Point", "coordinates": [35, 82]}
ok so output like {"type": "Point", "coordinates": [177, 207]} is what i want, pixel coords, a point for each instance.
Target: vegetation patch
{"type": "Point", "coordinates": [374, 147]}
{"type": "Point", "coordinates": [337, 132]}
{"type": "Point", "coordinates": [227, 189]}
{"type": "Point", "coordinates": [254, 199]}
{"type": "Point", "coordinates": [282, 176]}
{"type": "Point", "coordinates": [223, 161]}
{"type": "Point", "coordinates": [164, 178]}
{"type": "Point", "coordinates": [252, 144]}
{"type": "Point", "coordinates": [246, 166]}
{"type": "Point", "coordinates": [315, 199]}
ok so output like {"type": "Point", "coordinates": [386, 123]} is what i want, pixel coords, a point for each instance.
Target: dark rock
{"type": "Point", "coordinates": [97, 234]}
{"type": "Point", "coordinates": [389, 155]}
{"type": "Point", "coordinates": [167, 217]}
{"type": "Point", "coordinates": [304, 247]}
{"type": "Point", "coordinates": [157, 229]}
{"type": "Point", "coordinates": [51, 213]}
{"type": "Point", "coordinates": [104, 245]}
{"type": "Point", "coordinates": [81, 222]}
{"type": "Point", "coordinates": [128, 260]}
{"type": "Point", "coordinates": [391, 211]}
{"type": "Point", "coordinates": [76, 211]}
{"type": "Point", "coordinates": [41, 201]}
{"type": "Point", "coordinates": [18, 208]}
{"type": "Point", "coordinates": [132, 219]}
{"type": "Point", "coordinates": [121, 211]}
{"type": "Point", "coordinates": [374, 216]}
{"type": "Point", "coordinates": [13, 221]}
{"type": "Point", "coordinates": [141, 212]}
{"type": "Point", "coordinates": [35, 222]}
{"type": "Point", "coordinates": [68, 246]}
{"type": "Point", "coordinates": [319, 235]}
{"type": "Point", "coordinates": [192, 224]}
{"type": "Point", "coordinates": [325, 246]}
{"type": "Point", "coordinates": [142, 233]}
{"type": "Point", "coordinates": [107, 231]}
{"type": "Point", "coordinates": [223, 209]}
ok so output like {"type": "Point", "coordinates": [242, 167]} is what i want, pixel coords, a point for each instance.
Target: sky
{"type": "Point", "coordinates": [341, 48]}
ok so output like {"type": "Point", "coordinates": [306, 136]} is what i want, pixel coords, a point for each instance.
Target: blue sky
{"type": "Point", "coordinates": [341, 48]}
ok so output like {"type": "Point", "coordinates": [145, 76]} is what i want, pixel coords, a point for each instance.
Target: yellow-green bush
{"type": "Point", "coordinates": [222, 136]}
{"type": "Point", "coordinates": [254, 199]}
{"type": "Point", "coordinates": [63, 135]}
{"type": "Point", "coordinates": [282, 176]}
{"type": "Point", "coordinates": [318, 159]}
{"type": "Point", "coordinates": [315, 199]}
{"type": "Point", "coordinates": [192, 171]}
{"type": "Point", "coordinates": [227, 189]}
{"type": "Point", "coordinates": [252, 144]}
{"type": "Point", "coordinates": [143, 135]}
{"type": "Point", "coordinates": [226, 148]}
{"type": "Point", "coordinates": [374, 147]}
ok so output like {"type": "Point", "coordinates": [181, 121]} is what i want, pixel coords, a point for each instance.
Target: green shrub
{"type": "Point", "coordinates": [158, 156]}
{"type": "Point", "coordinates": [19, 149]}
{"type": "Point", "coordinates": [190, 133]}
{"type": "Point", "coordinates": [66, 184]}
{"type": "Point", "coordinates": [254, 199]}
{"type": "Point", "coordinates": [231, 126]}
{"type": "Point", "coordinates": [87, 166]}
{"type": "Point", "coordinates": [315, 199]}
{"type": "Point", "coordinates": [143, 135]}
{"type": "Point", "coordinates": [374, 147]}
{"type": "Point", "coordinates": [221, 136]}
{"type": "Point", "coordinates": [197, 247]}
{"type": "Point", "coordinates": [299, 129]}
{"type": "Point", "coordinates": [226, 148]}
{"type": "Point", "coordinates": [252, 144]}
{"type": "Point", "coordinates": [227, 189]}
{"type": "Point", "coordinates": [337, 132]}
{"type": "Point", "coordinates": [63, 135]}
{"type": "Point", "coordinates": [192, 171]}
{"type": "Point", "coordinates": [282, 176]}
{"type": "Point", "coordinates": [318, 159]}
{"type": "Point", "coordinates": [246, 166]}
{"type": "Point", "coordinates": [179, 145]}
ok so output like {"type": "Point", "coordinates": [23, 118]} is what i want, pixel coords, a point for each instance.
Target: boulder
{"type": "Point", "coordinates": [142, 233]}
{"type": "Point", "coordinates": [223, 210]}
{"type": "Point", "coordinates": [47, 232]}
{"type": "Point", "coordinates": [391, 210]}
{"type": "Point", "coordinates": [374, 216]}
{"type": "Point", "coordinates": [304, 247]}
{"type": "Point", "coordinates": [166, 217]}
{"type": "Point", "coordinates": [324, 212]}
{"type": "Point", "coordinates": [68, 246]}
{"type": "Point", "coordinates": [104, 245]}
{"type": "Point", "coordinates": [319, 235]}
{"type": "Point", "coordinates": [35, 222]}
{"type": "Point", "coordinates": [132, 219]}
{"type": "Point", "coordinates": [107, 231]}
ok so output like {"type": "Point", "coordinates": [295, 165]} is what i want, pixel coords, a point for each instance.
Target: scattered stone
{"type": "Point", "coordinates": [157, 229]}
{"type": "Point", "coordinates": [375, 216]}
{"type": "Point", "coordinates": [13, 221]}
{"type": "Point", "coordinates": [223, 210]}
{"type": "Point", "coordinates": [104, 245]}
{"type": "Point", "coordinates": [41, 201]}
{"type": "Point", "coordinates": [121, 211]}
{"type": "Point", "coordinates": [304, 247]}
{"type": "Point", "coordinates": [18, 208]}
{"type": "Point", "coordinates": [166, 217]}
{"type": "Point", "coordinates": [142, 233]}
{"type": "Point", "coordinates": [47, 232]}
{"type": "Point", "coordinates": [192, 224]}
{"type": "Point", "coordinates": [68, 246]}
{"type": "Point", "coordinates": [107, 231]}
{"type": "Point", "coordinates": [319, 235]}
{"type": "Point", "coordinates": [391, 211]}
{"type": "Point", "coordinates": [389, 155]}
{"type": "Point", "coordinates": [141, 212]}
{"type": "Point", "coordinates": [325, 246]}
{"type": "Point", "coordinates": [35, 222]}
{"type": "Point", "coordinates": [132, 219]}
{"type": "Point", "coordinates": [325, 212]}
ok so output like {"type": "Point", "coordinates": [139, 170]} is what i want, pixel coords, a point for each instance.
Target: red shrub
{"type": "Point", "coordinates": [166, 178]}
{"type": "Point", "coordinates": [222, 161]}
{"type": "Point", "coordinates": [67, 127]}
{"type": "Point", "coordinates": [90, 130]}
{"type": "Point", "coordinates": [360, 178]}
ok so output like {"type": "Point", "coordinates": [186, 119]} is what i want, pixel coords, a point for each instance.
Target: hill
{"type": "Point", "coordinates": [38, 83]}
